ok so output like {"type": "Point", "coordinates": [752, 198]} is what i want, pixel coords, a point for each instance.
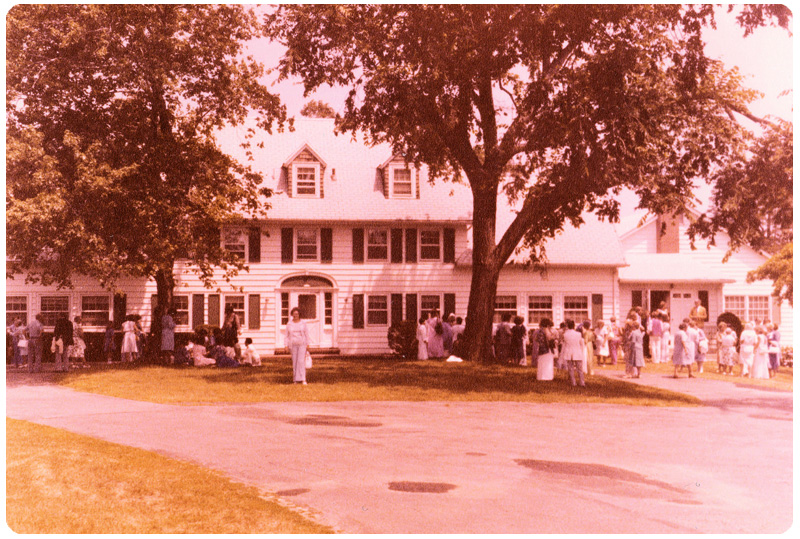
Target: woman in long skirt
{"type": "Point", "coordinates": [297, 341]}
{"type": "Point", "coordinates": [747, 345]}
{"type": "Point", "coordinates": [544, 343]}
{"type": "Point", "coordinates": [422, 339]}
{"type": "Point", "coordinates": [726, 349]}
{"type": "Point", "coordinates": [760, 359]}
{"type": "Point", "coordinates": [682, 356]}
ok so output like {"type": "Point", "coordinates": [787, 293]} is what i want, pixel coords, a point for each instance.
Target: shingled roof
{"type": "Point", "coordinates": [353, 185]}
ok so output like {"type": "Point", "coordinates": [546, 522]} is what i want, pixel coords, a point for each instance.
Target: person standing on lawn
{"type": "Point", "coordinates": [726, 349]}
{"type": "Point", "coordinates": [774, 348]}
{"type": "Point", "coordinates": [518, 333]}
{"type": "Point", "coordinates": [35, 344]}
{"type": "Point", "coordinates": [422, 339]}
{"type": "Point", "coordinates": [636, 349]}
{"type": "Point", "coordinates": [168, 336]}
{"type": "Point", "coordinates": [62, 341]}
{"type": "Point", "coordinates": [681, 356]}
{"type": "Point", "coordinates": [297, 341]}
{"type": "Point", "coordinates": [572, 352]}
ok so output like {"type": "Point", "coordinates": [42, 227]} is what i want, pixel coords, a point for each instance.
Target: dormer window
{"type": "Point", "coordinates": [401, 182]}
{"type": "Point", "coordinates": [305, 170]}
{"type": "Point", "coordinates": [306, 179]}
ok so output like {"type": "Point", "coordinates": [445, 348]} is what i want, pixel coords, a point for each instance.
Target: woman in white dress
{"type": "Point", "coordinates": [297, 341]}
{"type": "Point", "coordinates": [543, 341]}
{"type": "Point", "coordinates": [601, 343]}
{"type": "Point", "coordinates": [747, 345]}
{"type": "Point", "coordinates": [760, 358]}
{"type": "Point", "coordinates": [129, 349]}
{"type": "Point", "coordinates": [422, 339]}
{"type": "Point", "coordinates": [680, 354]}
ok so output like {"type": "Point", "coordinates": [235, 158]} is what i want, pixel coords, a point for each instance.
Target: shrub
{"type": "Point", "coordinates": [403, 339]}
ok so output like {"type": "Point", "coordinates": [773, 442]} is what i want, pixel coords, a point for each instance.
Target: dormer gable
{"type": "Point", "coordinates": [400, 178]}
{"type": "Point", "coordinates": [305, 174]}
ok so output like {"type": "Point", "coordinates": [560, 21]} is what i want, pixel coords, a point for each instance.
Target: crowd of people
{"type": "Point", "coordinates": [577, 347]}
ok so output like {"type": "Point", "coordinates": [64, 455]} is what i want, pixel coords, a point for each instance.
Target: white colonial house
{"type": "Point", "coordinates": [358, 239]}
{"type": "Point", "coordinates": [662, 266]}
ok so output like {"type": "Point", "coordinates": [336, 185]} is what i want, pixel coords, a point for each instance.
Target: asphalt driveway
{"type": "Point", "coordinates": [494, 467]}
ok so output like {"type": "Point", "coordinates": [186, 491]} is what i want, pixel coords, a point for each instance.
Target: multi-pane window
{"type": "Point", "coordinates": [737, 306]}
{"type": "Point", "coordinates": [758, 307]}
{"type": "Point", "coordinates": [429, 245]}
{"type": "Point", "coordinates": [377, 245]}
{"type": "Point", "coordinates": [236, 242]}
{"type": "Point", "coordinates": [95, 310]}
{"type": "Point", "coordinates": [377, 310]}
{"type": "Point", "coordinates": [16, 307]}
{"type": "Point", "coordinates": [328, 309]}
{"type": "Point", "coordinates": [305, 180]}
{"type": "Point", "coordinates": [53, 308]}
{"type": "Point", "coordinates": [306, 244]}
{"type": "Point", "coordinates": [181, 306]}
{"type": "Point", "coordinates": [539, 308]}
{"type": "Point", "coordinates": [748, 308]}
{"type": "Point", "coordinates": [576, 308]}
{"type": "Point", "coordinates": [237, 302]}
{"type": "Point", "coordinates": [504, 305]}
{"type": "Point", "coordinates": [284, 308]}
{"type": "Point", "coordinates": [402, 185]}
{"type": "Point", "coordinates": [429, 303]}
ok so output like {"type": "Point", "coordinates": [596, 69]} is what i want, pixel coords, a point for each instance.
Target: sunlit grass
{"type": "Point", "coordinates": [60, 482]}
{"type": "Point", "coordinates": [361, 380]}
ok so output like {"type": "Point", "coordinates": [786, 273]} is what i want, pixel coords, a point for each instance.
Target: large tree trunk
{"type": "Point", "coordinates": [485, 273]}
{"type": "Point", "coordinates": [165, 286]}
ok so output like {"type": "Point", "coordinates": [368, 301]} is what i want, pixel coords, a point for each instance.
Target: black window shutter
{"type": "Point", "coordinates": [358, 311]}
{"type": "Point", "coordinates": [397, 245]}
{"type": "Point", "coordinates": [449, 245]}
{"type": "Point", "coordinates": [287, 245]}
{"type": "Point", "coordinates": [449, 304]}
{"type": "Point", "coordinates": [213, 310]}
{"type": "Point", "coordinates": [397, 308]}
{"type": "Point", "coordinates": [198, 310]}
{"type": "Point", "coordinates": [358, 246]}
{"type": "Point", "coordinates": [411, 307]}
{"type": "Point", "coordinates": [411, 245]}
{"type": "Point", "coordinates": [254, 244]}
{"type": "Point", "coordinates": [120, 309]}
{"type": "Point", "coordinates": [254, 311]}
{"type": "Point", "coordinates": [326, 245]}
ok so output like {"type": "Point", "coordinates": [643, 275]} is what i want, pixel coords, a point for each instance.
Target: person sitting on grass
{"type": "Point", "coordinates": [225, 356]}
{"type": "Point", "coordinates": [250, 355]}
{"type": "Point", "coordinates": [199, 358]}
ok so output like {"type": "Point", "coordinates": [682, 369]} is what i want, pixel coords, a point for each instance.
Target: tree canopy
{"type": "Point", "coordinates": [557, 107]}
{"type": "Point", "coordinates": [112, 163]}
{"type": "Point", "coordinates": [317, 109]}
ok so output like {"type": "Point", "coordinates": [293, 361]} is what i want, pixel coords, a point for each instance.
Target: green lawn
{"type": "Point", "coordinates": [60, 482]}
{"type": "Point", "coordinates": [344, 379]}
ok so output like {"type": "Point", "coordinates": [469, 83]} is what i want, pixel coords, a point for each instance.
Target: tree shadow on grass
{"type": "Point", "coordinates": [456, 378]}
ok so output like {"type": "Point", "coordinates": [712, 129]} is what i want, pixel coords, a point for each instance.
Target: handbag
{"type": "Point", "coordinates": [308, 360]}
{"type": "Point", "coordinates": [703, 346]}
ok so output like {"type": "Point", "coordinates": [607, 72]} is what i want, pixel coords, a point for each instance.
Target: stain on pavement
{"type": "Point", "coordinates": [412, 486]}
{"type": "Point", "coordinates": [607, 479]}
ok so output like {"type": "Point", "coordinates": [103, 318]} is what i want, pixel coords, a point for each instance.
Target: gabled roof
{"type": "Point", "coordinates": [353, 186]}
{"type": "Point", "coordinates": [310, 150]}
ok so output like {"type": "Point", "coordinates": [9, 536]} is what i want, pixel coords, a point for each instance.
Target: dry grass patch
{"type": "Point", "coordinates": [362, 380]}
{"type": "Point", "coordinates": [60, 482]}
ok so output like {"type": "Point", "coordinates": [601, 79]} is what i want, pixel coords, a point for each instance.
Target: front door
{"type": "Point", "coordinates": [308, 303]}
{"type": "Point", "coordinates": [316, 309]}
{"type": "Point", "coordinates": [656, 297]}
{"type": "Point", "coordinates": [680, 305]}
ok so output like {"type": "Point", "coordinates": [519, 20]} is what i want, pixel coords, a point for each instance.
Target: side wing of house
{"type": "Point", "coordinates": [664, 267]}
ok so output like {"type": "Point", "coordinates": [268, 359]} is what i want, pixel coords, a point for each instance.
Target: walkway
{"type": "Point", "coordinates": [495, 467]}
